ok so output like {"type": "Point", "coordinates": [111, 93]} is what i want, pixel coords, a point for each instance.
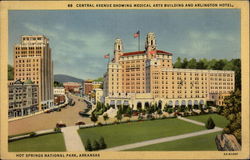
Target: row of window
{"type": "Point", "coordinates": [30, 48]}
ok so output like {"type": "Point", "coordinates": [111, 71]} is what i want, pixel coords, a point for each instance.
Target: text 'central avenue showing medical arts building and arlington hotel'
{"type": "Point", "coordinates": [141, 78]}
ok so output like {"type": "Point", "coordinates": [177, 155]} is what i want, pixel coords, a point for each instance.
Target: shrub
{"type": "Point", "coordinates": [57, 129]}
{"type": "Point", "coordinates": [170, 110]}
{"type": "Point", "coordinates": [194, 113]}
{"type": "Point", "coordinates": [102, 143]}
{"type": "Point", "coordinates": [140, 117]}
{"type": "Point", "coordinates": [210, 123]}
{"type": "Point", "coordinates": [99, 124]}
{"type": "Point", "coordinates": [32, 134]}
{"type": "Point", "coordinates": [88, 146]}
{"type": "Point", "coordinates": [226, 130]}
{"type": "Point", "coordinates": [237, 134]}
{"type": "Point", "coordinates": [149, 116]}
{"type": "Point", "coordinates": [96, 145]}
{"type": "Point", "coordinates": [185, 114]}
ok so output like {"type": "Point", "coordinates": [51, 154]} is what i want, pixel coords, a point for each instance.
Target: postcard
{"type": "Point", "coordinates": [124, 80]}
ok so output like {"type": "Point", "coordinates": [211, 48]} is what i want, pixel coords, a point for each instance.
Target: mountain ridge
{"type": "Point", "coordinates": [66, 78]}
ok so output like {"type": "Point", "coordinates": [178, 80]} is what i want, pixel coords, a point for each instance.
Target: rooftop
{"type": "Point", "coordinates": [142, 52]}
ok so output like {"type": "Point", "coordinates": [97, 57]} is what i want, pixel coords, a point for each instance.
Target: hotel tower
{"type": "Point", "coordinates": [32, 61]}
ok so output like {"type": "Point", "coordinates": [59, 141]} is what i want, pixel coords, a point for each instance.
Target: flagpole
{"type": "Point", "coordinates": [139, 40]}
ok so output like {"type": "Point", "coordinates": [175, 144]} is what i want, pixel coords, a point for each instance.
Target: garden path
{"type": "Point", "coordinates": [72, 139]}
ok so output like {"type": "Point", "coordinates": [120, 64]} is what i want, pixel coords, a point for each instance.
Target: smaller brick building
{"type": "Point", "coordinates": [23, 98]}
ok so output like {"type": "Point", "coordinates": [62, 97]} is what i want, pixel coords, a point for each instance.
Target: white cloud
{"type": "Point", "coordinates": [76, 53]}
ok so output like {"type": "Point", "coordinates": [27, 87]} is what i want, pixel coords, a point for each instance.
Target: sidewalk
{"type": "Point", "coordinates": [194, 122]}
{"type": "Point", "coordinates": [72, 139]}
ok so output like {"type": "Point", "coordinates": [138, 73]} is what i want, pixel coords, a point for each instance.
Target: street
{"type": "Point", "coordinates": [69, 116]}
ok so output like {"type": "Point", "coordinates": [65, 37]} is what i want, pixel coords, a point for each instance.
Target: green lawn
{"type": "Point", "coordinates": [45, 143]}
{"type": "Point", "coordinates": [220, 121]}
{"type": "Point", "coordinates": [120, 134]}
{"type": "Point", "coordinates": [199, 143]}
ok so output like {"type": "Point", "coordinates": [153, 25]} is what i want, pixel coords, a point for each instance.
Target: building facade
{"type": "Point", "coordinates": [32, 61]}
{"type": "Point", "coordinates": [73, 87]}
{"type": "Point", "coordinates": [144, 77]}
{"type": "Point", "coordinates": [87, 87]}
{"type": "Point", "coordinates": [98, 95]}
{"type": "Point", "coordinates": [23, 98]}
{"type": "Point", "coordinates": [59, 91]}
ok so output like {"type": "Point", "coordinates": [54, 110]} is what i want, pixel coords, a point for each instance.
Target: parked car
{"type": "Point", "coordinates": [80, 123]}
{"type": "Point", "coordinates": [60, 124]}
{"type": "Point", "coordinates": [83, 114]}
{"type": "Point", "coordinates": [48, 111]}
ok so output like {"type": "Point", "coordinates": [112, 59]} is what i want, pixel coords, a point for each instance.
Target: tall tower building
{"type": "Point", "coordinates": [32, 61]}
{"type": "Point", "coordinates": [118, 49]}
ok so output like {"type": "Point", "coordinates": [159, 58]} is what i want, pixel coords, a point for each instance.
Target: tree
{"type": "Point", "coordinates": [57, 84]}
{"type": "Point", "coordinates": [129, 112]}
{"type": "Point", "coordinates": [159, 112]}
{"type": "Point", "coordinates": [170, 110]}
{"type": "Point", "coordinates": [192, 64]}
{"type": "Point", "coordinates": [219, 65]}
{"type": "Point", "coordinates": [10, 72]}
{"type": "Point", "coordinates": [184, 63]}
{"type": "Point", "coordinates": [88, 146]}
{"type": "Point", "coordinates": [201, 65]}
{"type": "Point", "coordinates": [232, 111]}
{"type": "Point", "coordinates": [105, 117]}
{"type": "Point", "coordinates": [94, 118]}
{"type": "Point", "coordinates": [102, 143]}
{"type": "Point", "coordinates": [211, 64]}
{"type": "Point", "coordinates": [210, 123]}
{"type": "Point", "coordinates": [178, 63]}
{"type": "Point", "coordinates": [96, 145]}
{"type": "Point", "coordinates": [118, 116]}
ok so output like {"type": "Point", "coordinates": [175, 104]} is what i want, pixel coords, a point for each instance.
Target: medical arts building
{"type": "Point", "coordinates": [146, 77]}
{"type": "Point", "coordinates": [32, 88]}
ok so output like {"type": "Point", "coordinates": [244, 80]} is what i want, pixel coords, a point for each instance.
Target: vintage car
{"type": "Point", "coordinates": [60, 124]}
{"type": "Point", "coordinates": [80, 123]}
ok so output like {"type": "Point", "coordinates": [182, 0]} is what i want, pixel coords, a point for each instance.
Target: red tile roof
{"type": "Point", "coordinates": [164, 52]}
{"type": "Point", "coordinates": [142, 52]}
{"type": "Point", "coordinates": [133, 53]}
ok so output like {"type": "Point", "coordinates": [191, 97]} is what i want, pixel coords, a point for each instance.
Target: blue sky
{"type": "Point", "coordinates": [80, 38]}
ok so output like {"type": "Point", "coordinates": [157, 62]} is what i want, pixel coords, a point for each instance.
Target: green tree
{"type": "Point", "coordinates": [170, 110]}
{"type": "Point", "coordinates": [118, 116]}
{"type": "Point", "coordinates": [237, 68]}
{"type": "Point", "coordinates": [192, 64]}
{"type": "Point", "coordinates": [159, 112]}
{"type": "Point", "coordinates": [232, 111]}
{"type": "Point", "coordinates": [200, 65]}
{"type": "Point", "coordinates": [10, 72]}
{"type": "Point", "coordinates": [57, 84]}
{"type": "Point", "coordinates": [178, 63]}
{"type": "Point", "coordinates": [219, 65]}
{"type": "Point", "coordinates": [88, 146]}
{"type": "Point", "coordinates": [211, 64]}
{"type": "Point", "coordinates": [129, 112]}
{"type": "Point", "coordinates": [102, 143]}
{"type": "Point", "coordinates": [96, 145]}
{"type": "Point", "coordinates": [105, 117]}
{"type": "Point", "coordinates": [184, 63]}
{"type": "Point", "coordinates": [210, 123]}
{"type": "Point", "coordinates": [94, 118]}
